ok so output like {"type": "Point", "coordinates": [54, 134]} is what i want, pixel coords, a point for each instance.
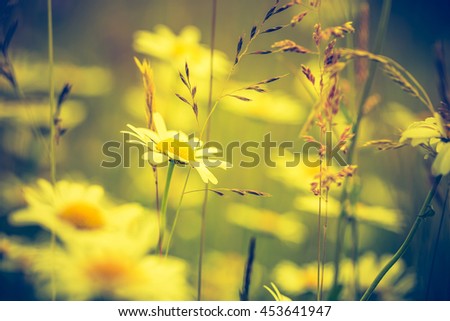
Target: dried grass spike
{"type": "Point", "coordinates": [63, 95]}
{"type": "Point", "coordinates": [183, 79]}
{"type": "Point", "coordinates": [270, 12]}
{"type": "Point", "coordinates": [261, 52]}
{"type": "Point", "coordinates": [8, 37]}
{"type": "Point", "coordinates": [273, 29]}
{"type": "Point", "coordinates": [297, 18]}
{"type": "Point", "coordinates": [217, 192]}
{"type": "Point", "coordinates": [283, 8]}
{"type": "Point", "coordinates": [384, 144]}
{"type": "Point", "coordinates": [186, 69]}
{"type": "Point", "coordinates": [399, 79]}
{"type": "Point", "coordinates": [183, 99]}
{"type": "Point", "coordinates": [239, 45]}
{"type": "Point", "coordinates": [267, 81]}
{"type": "Point", "coordinates": [317, 34]}
{"type": "Point", "coordinates": [253, 32]}
{"type": "Point", "coordinates": [309, 75]}
{"type": "Point", "coordinates": [256, 88]}
{"type": "Point", "coordinates": [240, 97]}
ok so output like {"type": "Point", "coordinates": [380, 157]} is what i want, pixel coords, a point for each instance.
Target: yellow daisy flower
{"type": "Point", "coordinates": [285, 227]}
{"type": "Point", "coordinates": [274, 107]}
{"type": "Point", "coordinates": [294, 279]}
{"type": "Point", "coordinates": [108, 266]}
{"type": "Point", "coordinates": [164, 44]}
{"type": "Point", "coordinates": [70, 209]}
{"type": "Point", "coordinates": [177, 147]}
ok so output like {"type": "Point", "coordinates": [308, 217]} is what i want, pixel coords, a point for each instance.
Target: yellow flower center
{"type": "Point", "coordinates": [83, 216]}
{"type": "Point", "coordinates": [108, 270]}
{"type": "Point", "coordinates": [109, 273]}
{"type": "Point", "coordinates": [180, 149]}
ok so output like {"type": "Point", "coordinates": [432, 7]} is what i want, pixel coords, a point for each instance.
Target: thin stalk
{"type": "Point", "coordinates": [244, 293]}
{"type": "Point", "coordinates": [208, 133]}
{"type": "Point", "coordinates": [162, 221]}
{"type": "Point", "coordinates": [412, 232]}
{"type": "Point", "coordinates": [319, 234]}
{"type": "Point", "coordinates": [355, 256]}
{"type": "Point", "coordinates": [52, 154]}
{"type": "Point", "coordinates": [438, 236]}
{"type": "Point", "coordinates": [175, 221]}
{"type": "Point", "coordinates": [158, 209]}
{"type": "Point", "coordinates": [341, 226]}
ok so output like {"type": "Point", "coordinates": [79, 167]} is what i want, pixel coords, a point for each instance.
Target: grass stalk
{"type": "Point", "coordinates": [412, 232]}
{"type": "Point", "coordinates": [52, 153]}
{"type": "Point", "coordinates": [208, 133]}
{"type": "Point", "coordinates": [342, 220]}
{"type": "Point", "coordinates": [244, 293]}
{"type": "Point", "coordinates": [175, 221]}
{"type": "Point", "coordinates": [436, 243]}
{"type": "Point", "coordinates": [165, 198]}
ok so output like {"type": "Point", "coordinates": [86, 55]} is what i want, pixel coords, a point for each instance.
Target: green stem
{"type": "Point", "coordinates": [158, 210]}
{"type": "Point", "coordinates": [175, 221]}
{"type": "Point", "coordinates": [436, 243]}
{"type": "Point", "coordinates": [208, 133]}
{"type": "Point", "coordinates": [420, 217]}
{"type": "Point", "coordinates": [381, 33]}
{"type": "Point", "coordinates": [162, 220]}
{"type": "Point", "coordinates": [52, 153]}
{"type": "Point", "coordinates": [51, 94]}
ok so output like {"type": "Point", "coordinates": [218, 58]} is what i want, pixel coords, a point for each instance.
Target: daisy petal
{"type": "Point", "coordinates": [160, 125]}
{"type": "Point", "coordinates": [441, 165]}
{"type": "Point", "coordinates": [205, 174]}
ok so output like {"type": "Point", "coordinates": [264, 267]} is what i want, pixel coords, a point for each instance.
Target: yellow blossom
{"type": "Point", "coordinates": [70, 208]}
{"type": "Point", "coordinates": [285, 227]}
{"type": "Point", "coordinates": [176, 146]}
{"type": "Point", "coordinates": [177, 49]}
{"type": "Point", "coordinates": [294, 279]}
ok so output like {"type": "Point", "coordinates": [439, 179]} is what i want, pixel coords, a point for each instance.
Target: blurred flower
{"type": "Point", "coordinates": [35, 113]}
{"type": "Point", "coordinates": [276, 293]}
{"type": "Point", "coordinates": [71, 209]}
{"type": "Point", "coordinates": [379, 216]}
{"type": "Point", "coordinates": [393, 286]}
{"type": "Point", "coordinates": [223, 275]}
{"type": "Point", "coordinates": [432, 135]}
{"type": "Point", "coordinates": [273, 107]}
{"type": "Point", "coordinates": [296, 280]}
{"type": "Point", "coordinates": [299, 176]}
{"type": "Point", "coordinates": [285, 227]}
{"type": "Point", "coordinates": [176, 146]}
{"type": "Point", "coordinates": [86, 80]}
{"type": "Point", "coordinates": [177, 49]}
{"type": "Point", "coordinates": [108, 266]}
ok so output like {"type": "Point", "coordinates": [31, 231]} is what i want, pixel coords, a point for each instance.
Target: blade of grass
{"type": "Point", "coordinates": [52, 153]}
{"type": "Point", "coordinates": [208, 133]}
{"type": "Point", "coordinates": [342, 220]}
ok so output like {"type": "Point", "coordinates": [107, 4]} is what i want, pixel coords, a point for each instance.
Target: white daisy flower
{"type": "Point", "coordinates": [175, 146]}
{"type": "Point", "coordinates": [432, 134]}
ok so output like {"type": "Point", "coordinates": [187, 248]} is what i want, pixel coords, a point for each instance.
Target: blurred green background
{"type": "Point", "coordinates": [95, 42]}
